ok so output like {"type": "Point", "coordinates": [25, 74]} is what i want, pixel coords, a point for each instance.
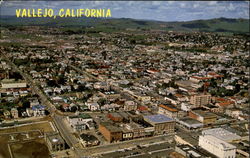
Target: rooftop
{"type": "Point", "coordinates": [220, 143]}
{"type": "Point", "coordinates": [222, 134]}
{"type": "Point", "coordinates": [158, 118]}
{"type": "Point", "coordinates": [83, 116]}
{"type": "Point", "coordinates": [87, 137]}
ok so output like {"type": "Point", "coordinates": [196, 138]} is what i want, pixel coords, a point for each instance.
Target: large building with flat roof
{"type": "Point", "coordinates": [110, 132]}
{"type": "Point", "coordinates": [12, 83]}
{"type": "Point", "coordinates": [216, 146]}
{"type": "Point", "coordinates": [222, 134]}
{"type": "Point", "coordinates": [206, 117]}
{"type": "Point", "coordinates": [161, 123]}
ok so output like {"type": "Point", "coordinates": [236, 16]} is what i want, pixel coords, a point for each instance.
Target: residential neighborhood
{"type": "Point", "coordinates": [128, 93]}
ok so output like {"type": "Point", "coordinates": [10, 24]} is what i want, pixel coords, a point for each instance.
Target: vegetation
{"type": "Point", "coordinates": [219, 25]}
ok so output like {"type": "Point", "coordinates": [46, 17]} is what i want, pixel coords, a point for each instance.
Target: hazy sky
{"type": "Point", "coordinates": [153, 10]}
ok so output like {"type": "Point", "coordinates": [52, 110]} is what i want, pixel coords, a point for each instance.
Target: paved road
{"type": "Point", "coordinates": [116, 88]}
{"type": "Point", "coordinates": [70, 139]}
{"type": "Point", "coordinates": [146, 151]}
{"type": "Point", "coordinates": [57, 119]}
{"type": "Point", "coordinates": [95, 151]}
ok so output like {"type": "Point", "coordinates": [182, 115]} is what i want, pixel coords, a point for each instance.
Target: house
{"type": "Point", "coordinates": [38, 110]}
{"type": "Point", "coordinates": [14, 113]}
{"type": "Point", "coordinates": [93, 106]}
{"type": "Point", "coordinates": [115, 117]}
{"type": "Point", "coordinates": [129, 105]}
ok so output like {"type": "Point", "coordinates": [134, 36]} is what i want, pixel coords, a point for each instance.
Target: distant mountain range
{"type": "Point", "coordinates": [222, 25]}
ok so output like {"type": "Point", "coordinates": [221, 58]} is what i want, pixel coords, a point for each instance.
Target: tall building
{"type": "Point", "coordinates": [201, 99]}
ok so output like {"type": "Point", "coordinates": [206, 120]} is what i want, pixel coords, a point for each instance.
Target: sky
{"type": "Point", "coordinates": [149, 10]}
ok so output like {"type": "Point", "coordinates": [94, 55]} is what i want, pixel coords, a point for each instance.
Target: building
{"type": "Point", "coordinates": [199, 100]}
{"type": "Point", "coordinates": [206, 117]}
{"type": "Point", "coordinates": [12, 83]}
{"type": "Point", "coordinates": [186, 138]}
{"type": "Point", "coordinates": [115, 117]}
{"type": "Point", "coordinates": [110, 132]}
{"type": "Point", "coordinates": [14, 113]}
{"type": "Point", "coordinates": [81, 122]}
{"type": "Point", "coordinates": [55, 142]}
{"type": "Point", "coordinates": [137, 129]}
{"type": "Point", "coordinates": [161, 123]}
{"type": "Point", "coordinates": [127, 134]}
{"type": "Point", "coordinates": [88, 140]}
{"type": "Point", "coordinates": [189, 123]}
{"type": "Point", "coordinates": [93, 106]}
{"type": "Point", "coordinates": [168, 110]}
{"type": "Point", "coordinates": [129, 106]}
{"type": "Point", "coordinates": [222, 134]}
{"type": "Point", "coordinates": [216, 146]}
{"type": "Point", "coordinates": [38, 110]}
{"type": "Point", "coordinates": [110, 95]}
{"type": "Point", "coordinates": [189, 151]}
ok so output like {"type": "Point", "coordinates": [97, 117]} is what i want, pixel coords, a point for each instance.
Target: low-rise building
{"type": "Point", "coordinates": [168, 110]}
{"type": "Point", "coordinates": [12, 83]}
{"type": "Point", "coordinates": [55, 142]}
{"type": "Point", "coordinates": [14, 113]}
{"type": "Point", "coordinates": [138, 130]}
{"type": "Point", "coordinates": [80, 122]}
{"type": "Point", "coordinates": [189, 123]}
{"type": "Point", "coordinates": [222, 134]}
{"type": "Point", "coordinates": [115, 117]}
{"type": "Point", "coordinates": [88, 140]}
{"type": "Point", "coordinates": [216, 146]}
{"type": "Point", "coordinates": [38, 110]}
{"type": "Point", "coordinates": [110, 132]}
{"type": "Point", "coordinates": [161, 123]}
{"type": "Point", "coordinates": [206, 117]}
{"type": "Point", "coordinates": [129, 106]}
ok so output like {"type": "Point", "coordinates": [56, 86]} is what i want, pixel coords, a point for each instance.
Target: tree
{"type": "Point", "coordinates": [102, 101]}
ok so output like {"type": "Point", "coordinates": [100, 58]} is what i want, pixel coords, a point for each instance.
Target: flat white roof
{"type": "Point", "coordinates": [218, 142]}
{"type": "Point", "coordinates": [222, 134]}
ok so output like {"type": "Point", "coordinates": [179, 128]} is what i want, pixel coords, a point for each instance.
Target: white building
{"type": "Point", "coordinates": [218, 147]}
{"type": "Point", "coordinates": [11, 83]}
{"type": "Point", "coordinates": [80, 122]}
{"type": "Point", "coordinates": [93, 106]}
{"type": "Point", "coordinates": [222, 134]}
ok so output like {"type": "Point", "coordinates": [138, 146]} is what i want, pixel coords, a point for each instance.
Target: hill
{"type": "Point", "coordinates": [222, 25]}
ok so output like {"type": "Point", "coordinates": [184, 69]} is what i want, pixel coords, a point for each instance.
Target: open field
{"type": "Point", "coordinates": [15, 142]}
{"type": "Point", "coordinates": [29, 144]}
{"type": "Point", "coordinates": [31, 149]}
{"type": "Point", "coordinates": [27, 149]}
{"type": "Point", "coordinates": [42, 126]}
